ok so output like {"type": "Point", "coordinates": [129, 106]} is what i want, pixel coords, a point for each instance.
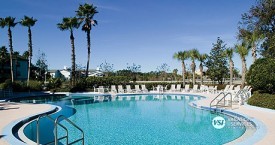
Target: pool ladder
{"type": "Point", "coordinates": [56, 124]}
{"type": "Point", "coordinates": [221, 102]}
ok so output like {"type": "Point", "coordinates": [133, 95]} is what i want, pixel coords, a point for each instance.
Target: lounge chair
{"type": "Point", "coordinates": [137, 89]}
{"type": "Point", "coordinates": [186, 88]}
{"type": "Point", "coordinates": [101, 89]}
{"type": "Point", "coordinates": [113, 89]}
{"type": "Point", "coordinates": [128, 89]}
{"type": "Point", "coordinates": [195, 88]}
{"type": "Point", "coordinates": [120, 89]}
{"type": "Point", "coordinates": [178, 89]}
{"type": "Point", "coordinates": [144, 89]}
{"type": "Point", "coordinates": [201, 88]}
{"type": "Point", "coordinates": [173, 88]}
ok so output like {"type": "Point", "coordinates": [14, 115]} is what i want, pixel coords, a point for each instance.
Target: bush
{"type": "Point", "coordinates": [35, 85]}
{"type": "Point", "coordinates": [261, 75]}
{"type": "Point", "coordinates": [262, 100]}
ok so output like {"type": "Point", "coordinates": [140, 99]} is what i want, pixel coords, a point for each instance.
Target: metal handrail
{"type": "Point", "coordinates": [73, 124]}
{"type": "Point", "coordinates": [38, 129]}
{"type": "Point", "coordinates": [216, 98]}
{"type": "Point", "coordinates": [223, 98]}
{"type": "Point", "coordinates": [242, 91]}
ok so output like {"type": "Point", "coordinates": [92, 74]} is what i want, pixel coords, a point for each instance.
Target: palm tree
{"type": "Point", "coordinates": [9, 22]}
{"type": "Point", "coordinates": [229, 54]}
{"type": "Point", "coordinates": [193, 54]}
{"type": "Point", "coordinates": [70, 24]}
{"type": "Point", "coordinates": [242, 49]}
{"type": "Point", "coordinates": [29, 22]}
{"type": "Point", "coordinates": [202, 58]}
{"type": "Point", "coordinates": [182, 56]}
{"type": "Point", "coordinates": [85, 13]}
{"type": "Point", "coordinates": [253, 38]}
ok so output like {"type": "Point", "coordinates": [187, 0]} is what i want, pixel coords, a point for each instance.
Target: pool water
{"type": "Point", "coordinates": [164, 119]}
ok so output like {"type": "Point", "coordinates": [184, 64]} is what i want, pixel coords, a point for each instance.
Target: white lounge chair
{"type": "Point", "coordinates": [178, 89]}
{"type": "Point", "coordinates": [173, 88]}
{"type": "Point", "coordinates": [128, 89]}
{"type": "Point", "coordinates": [120, 89]}
{"type": "Point", "coordinates": [195, 88]}
{"type": "Point", "coordinates": [113, 89]}
{"type": "Point", "coordinates": [137, 89]}
{"type": "Point", "coordinates": [186, 88]}
{"type": "Point", "coordinates": [144, 89]}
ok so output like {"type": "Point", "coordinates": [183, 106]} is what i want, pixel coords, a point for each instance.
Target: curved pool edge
{"type": "Point", "coordinates": [12, 128]}
{"type": "Point", "coordinates": [260, 127]}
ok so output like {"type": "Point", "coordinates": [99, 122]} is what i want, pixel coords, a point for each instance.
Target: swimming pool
{"type": "Point", "coordinates": [140, 119]}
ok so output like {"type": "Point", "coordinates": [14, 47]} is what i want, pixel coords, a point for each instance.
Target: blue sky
{"type": "Point", "coordinates": [144, 32]}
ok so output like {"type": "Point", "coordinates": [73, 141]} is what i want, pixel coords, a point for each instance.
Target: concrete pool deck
{"type": "Point", "coordinates": [16, 111]}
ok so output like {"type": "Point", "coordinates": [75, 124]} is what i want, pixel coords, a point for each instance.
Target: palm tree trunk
{"type": "Point", "coordinates": [243, 72]}
{"type": "Point", "coordinates": [183, 73]}
{"type": "Point", "coordinates": [73, 59]}
{"type": "Point", "coordinates": [231, 64]}
{"type": "Point", "coordinates": [201, 70]}
{"type": "Point", "coordinates": [11, 53]}
{"type": "Point", "coordinates": [193, 66]}
{"type": "Point", "coordinates": [254, 54]}
{"type": "Point", "coordinates": [89, 51]}
{"type": "Point", "coordinates": [30, 54]}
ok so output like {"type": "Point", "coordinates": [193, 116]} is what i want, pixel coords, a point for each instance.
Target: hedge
{"type": "Point", "coordinates": [262, 100]}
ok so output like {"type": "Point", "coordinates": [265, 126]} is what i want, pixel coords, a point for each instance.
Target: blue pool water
{"type": "Point", "coordinates": [165, 120]}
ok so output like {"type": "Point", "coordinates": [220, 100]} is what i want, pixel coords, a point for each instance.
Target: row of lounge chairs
{"type": "Point", "coordinates": [128, 89]}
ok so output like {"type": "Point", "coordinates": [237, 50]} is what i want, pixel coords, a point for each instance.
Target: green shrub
{"type": "Point", "coordinates": [54, 83]}
{"type": "Point", "coordinates": [261, 75]}
{"type": "Point", "coordinates": [35, 85]}
{"type": "Point", "coordinates": [262, 100]}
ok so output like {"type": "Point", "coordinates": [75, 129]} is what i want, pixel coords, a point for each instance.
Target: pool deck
{"type": "Point", "coordinates": [15, 111]}
{"type": "Point", "coordinates": [265, 116]}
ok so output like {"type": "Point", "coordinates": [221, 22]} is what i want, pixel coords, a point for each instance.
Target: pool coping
{"type": "Point", "coordinates": [15, 125]}
{"type": "Point", "coordinates": [258, 135]}
{"type": "Point", "coordinates": [260, 127]}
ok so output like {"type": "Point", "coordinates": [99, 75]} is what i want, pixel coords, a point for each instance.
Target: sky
{"type": "Point", "coordinates": [144, 32]}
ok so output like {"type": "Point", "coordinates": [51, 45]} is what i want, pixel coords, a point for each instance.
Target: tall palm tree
{"type": "Point", "coordinates": [182, 56]}
{"type": "Point", "coordinates": [193, 54]}
{"type": "Point", "coordinates": [86, 13]}
{"type": "Point", "coordinates": [253, 38]}
{"type": "Point", "coordinates": [229, 54]}
{"type": "Point", "coordinates": [29, 22]}
{"type": "Point", "coordinates": [242, 49]}
{"type": "Point", "coordinates": [9, 22]}
{"type": "Point", "coordinates": [70, 24]}
{"type": "Point", "coordinates": [202, 58]}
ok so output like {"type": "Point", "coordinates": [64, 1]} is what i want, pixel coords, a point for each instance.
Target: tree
{"type": "Point", "coordinates": [9, 22]}
{"type": "Point", "coordinates": [29, 22]}
{"type": "Point", "coordinates": [229, 54]}
{"type": "Point", "coordinates": [42, 65]}
{"type": "Point", "coordinates": [260, 19]}
{"type": "Point", "coordinates": [182, 56]}
{"type": "Point", "coordinates": [193, 54]}
{"type": "Point", "coordinates": [70, 24]}
{"type": "Point", "coordinates": [175, 73]}
{"type": "Point", "coordinates": [134, 69]}
{"type": "Point", "coordinates": [107, 68]}
{"type": "Point", "coordinates": [202, 58]}
{"type": "Point", "coordinates": [253, 38]}
{"type": "Point", "coordinates": [261, 75]}
{"type": "Point", "coordinates": [163, 69]}
{"type": "Point", "coordinates": [4, 58]}
{"type": "Point", "coordinates": [85, 14]}
{"type": "Point", "coordinates": [242, 49]}
{"type": "Point", "coordinates": [216, 62]}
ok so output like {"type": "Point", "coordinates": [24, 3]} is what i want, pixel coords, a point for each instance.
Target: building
{"type": "Point", "coordinates": [20, 69]}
